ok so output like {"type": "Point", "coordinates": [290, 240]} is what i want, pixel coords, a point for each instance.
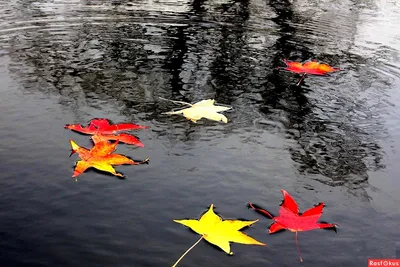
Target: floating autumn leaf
{"type": "Point", "coordinates": [122, 138]}
{"type": "Point", "coordinates": [106, 128]}
{"type": "Point", "coordinates": [103, 126]}
{"type": "Point", "coordinates": [202, 109]}
{"type": "Point", "coordinates": [310, 67]}
{"type": "Point", "coordinates": [219, 232]}
{"type": "Point", "coordinates": [100, 157]}
{"type": "Point", "coordinates": [105, 131]}
{"type": "Point", "coordinates": [289, 218]}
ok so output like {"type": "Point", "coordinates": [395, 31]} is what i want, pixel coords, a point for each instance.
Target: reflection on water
{"type": "Point", "coordinates": [213, 50]}
{"type": "Point", "coordinates": [329, 126]}
{"type": "Point", "coordinates": [120, 56]}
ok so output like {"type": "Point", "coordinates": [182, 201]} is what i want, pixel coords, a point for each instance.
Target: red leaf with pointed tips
{"type": "Point", "coordinates": [79, 128]}
{"type": "Point", "coordinates": [289, 217]}
{"type": "Point", "coordinates": [103, 126]}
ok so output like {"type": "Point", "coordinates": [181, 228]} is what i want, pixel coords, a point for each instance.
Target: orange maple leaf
{"type": "Point", "coordinates": [100, 157]}
{"type": "Point", "coordinates": [309, 67]}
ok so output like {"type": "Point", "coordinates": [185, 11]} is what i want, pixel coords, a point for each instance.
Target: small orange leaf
{"type": "Point", "coordinates": [309, 67]}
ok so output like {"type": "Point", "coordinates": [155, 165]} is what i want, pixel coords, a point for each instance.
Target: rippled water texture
{"type": "Point", "coordinates": [332, 139]}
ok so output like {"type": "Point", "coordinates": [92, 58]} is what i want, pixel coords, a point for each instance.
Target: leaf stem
{"type": "Point", "coordinates": [174, 101]}
{"type": "Point", "coordinates": [186, 252]}
{"type": "Point", "coordinates": [301, 79]}
{"type": "Point", "coordinates": [298, 250]}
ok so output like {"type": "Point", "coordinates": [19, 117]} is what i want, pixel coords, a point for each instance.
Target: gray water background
{"type": "Point", "coordinates": [334, 139]}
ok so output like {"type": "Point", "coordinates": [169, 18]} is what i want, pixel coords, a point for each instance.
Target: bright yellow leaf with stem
{"type": "Point", "coordinates": [219, 232]}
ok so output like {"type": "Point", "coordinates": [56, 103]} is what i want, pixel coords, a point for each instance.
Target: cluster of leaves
{"type": "Point", "coordinates": [220, 232]}
{"type": "Point", "coordinates": [210, 226]}
{"type": "Point", "coordinates": [101, 156]}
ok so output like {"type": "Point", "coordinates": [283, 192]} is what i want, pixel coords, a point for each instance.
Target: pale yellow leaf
{"type": "Point", "coordinates": [203, 109]}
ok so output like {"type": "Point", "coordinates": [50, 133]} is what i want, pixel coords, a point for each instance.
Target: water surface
{"type": "Point", "coordinates": [332, 139]}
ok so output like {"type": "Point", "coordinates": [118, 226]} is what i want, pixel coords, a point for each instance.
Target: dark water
{"type": "Point", "coordinates": [332, 139]}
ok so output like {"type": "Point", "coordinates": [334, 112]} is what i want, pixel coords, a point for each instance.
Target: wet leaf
{"type": "Point", "coordinates": [121, 138]}
{"type": "Point", "coordinates": [310, 67]}
{"type": "Point", "coordinates": [289, 218]}
{"type": "Point", "coordinates": [202, 109]}
{"type": "Point", "coordinates": [100, 157]}
{"type": "Point", "coordinates": [103, 126]}
{"type": "Point", "coordinates": [219, 232]}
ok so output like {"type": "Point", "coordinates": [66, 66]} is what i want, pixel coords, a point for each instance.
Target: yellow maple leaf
{"type": "Point", "coordinates": [202, 109]}
{"type": "Point", "coordinates": [219, 232]}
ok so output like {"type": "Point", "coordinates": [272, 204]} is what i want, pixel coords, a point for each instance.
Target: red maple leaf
{"type": "Point", "coordinates": [309, 67]}
{"type": "Point", "coordinates": [122, 137]}
{"type": "Point", "coordinates": [104, 131]}
{"type": "Point", "coordinates": [289, 218]}
{"type": "Point", "coordinates": [103, 126]}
